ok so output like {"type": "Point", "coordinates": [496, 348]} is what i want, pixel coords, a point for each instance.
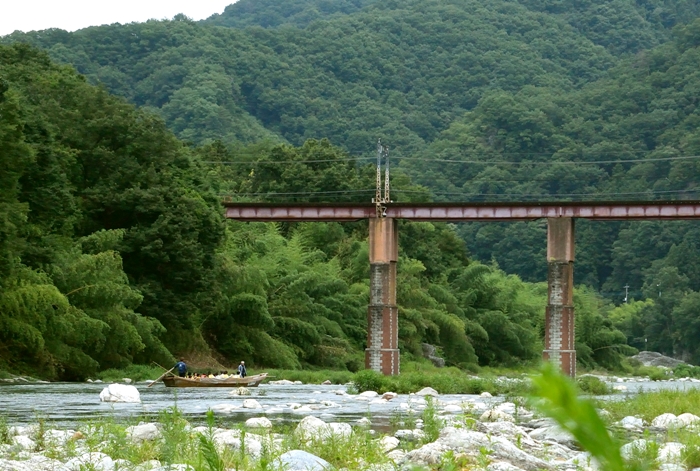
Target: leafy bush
{"type": "Point", "coordinates": [4, 431]}
{"type": "Point", "coordinates": [686, 371]}
{"type": "Point", "coordinates": [593, 385]}
{"type": "Point", "coordinates": [369, 380]}
{"type": "Point", "coordinates": [135, 372]}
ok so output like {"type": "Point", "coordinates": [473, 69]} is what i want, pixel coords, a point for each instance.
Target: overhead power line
{"type": "Point", "coordinates": [456, 161]}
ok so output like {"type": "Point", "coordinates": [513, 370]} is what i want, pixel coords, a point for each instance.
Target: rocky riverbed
{"type": "Point", "coordinates": [481, 431]}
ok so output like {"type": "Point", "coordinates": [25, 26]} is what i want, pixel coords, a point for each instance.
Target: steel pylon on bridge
{"type": "Point", "coordinates": [382, 352]}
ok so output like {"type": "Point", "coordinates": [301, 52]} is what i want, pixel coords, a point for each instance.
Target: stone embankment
{"type": "Point", "coordinates": [490, 435]}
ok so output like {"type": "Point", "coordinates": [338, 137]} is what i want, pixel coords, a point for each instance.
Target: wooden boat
{"type": "Point", "coordinates": [232, 382]}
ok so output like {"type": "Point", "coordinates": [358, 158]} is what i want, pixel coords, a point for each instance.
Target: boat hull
{"type": "Point", "coordinates": [248, 381]}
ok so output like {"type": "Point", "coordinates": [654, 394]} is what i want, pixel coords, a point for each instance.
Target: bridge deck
{"type": "Point", "coordinates": [465, 211]}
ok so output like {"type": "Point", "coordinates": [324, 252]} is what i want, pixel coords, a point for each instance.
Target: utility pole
{"type": "Point", "coordinates": [379, 200]}
{"type": "Point", "coordinates": [627, 287]}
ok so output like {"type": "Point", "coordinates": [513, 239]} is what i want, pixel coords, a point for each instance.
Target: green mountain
{"type": "Point", "coordinates": [488, 100]}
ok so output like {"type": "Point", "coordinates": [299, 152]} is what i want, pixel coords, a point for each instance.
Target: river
{"type": "Point", "coordinates": [69, 404]}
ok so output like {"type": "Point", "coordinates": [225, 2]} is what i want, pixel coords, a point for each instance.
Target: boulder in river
{"type": "Point", "coordinates": [428, 392]}
{"type": "Point", "coordinates": [120, 393]}
{"type": "Point", "coordinates": [656, 359]}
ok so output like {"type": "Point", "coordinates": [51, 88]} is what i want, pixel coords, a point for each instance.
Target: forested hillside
{"type": "Point", "coordinates": [488, 100]}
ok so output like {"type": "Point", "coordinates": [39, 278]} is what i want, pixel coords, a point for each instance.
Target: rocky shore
{"type": "Point", "coordinates": [477, 433]}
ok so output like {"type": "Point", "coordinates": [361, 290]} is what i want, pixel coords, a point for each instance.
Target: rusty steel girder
{"type": "Point", "coordinates": [464, 211]}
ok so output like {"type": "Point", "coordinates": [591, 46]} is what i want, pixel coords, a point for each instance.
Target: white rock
{"type": "Point", "coordinates": [665, 421]}
{"type": "Point", "coordinates": [313, 428]}
{"type": "Point", "coordinates": [472, 443]}
{"type": "Point", "coordinates": [688, 419]}
{"type": "Point", "coordinates": [232, 439]}
{"type": "Point", "coordinates": [24, 442]}
{"type": "Point", "coordinates": [58, 437]}
{"type": "Point", "coordinates": [327, 382]}
{"type": "Point", "coordinates": [120, 393]}
{"type": "Point", "coordinates": [671, 467]}
{"type": "Point", "coordinates": [378, 400]}
{"type": "Point", "coordinates": [127, 380]}
{"type": "Point", "coordinates": [298, 460]}
{"type": "Point", "coordinates": [507, 407]}
{"type": "Point", "coordinates": [95, 461]}
{"type": "Point", "coordinates": [671, 452]}
{"type": "Point", "coordinates": [554, 434]}
{"type": "Point", "coordinates": [502, 466]}
{"type": "Point", "coordinates": [389, 395]}
{"type": "Point", "coordinates": [363, 422]}
{"type": "Point", "coordinates": [251, 404]}
{"type": "Point", "coordinates": [485, 394]}
{"type": "Point", "coordinates": [302, 410]}
{"type": "Point", "coordinates": [453, 409]}
{"type": "Point", "coordinates": [32, 463]}
{"type": "Point", "coordinates": [428, 392]}
{"type": "Point", "coordinates": [628, 450]}
{"type": "Point", "coordinates": [240, 392]}
{"type": "Point", "coordinates": [396, 455]}
{"type": "Point", "coordinates": [340, 429]}
{"type": "Point", "coordinates": [143, 432]}
{"type": "Point", "coordinates": [224, 408]}
{"type": "Point", "coordinates": [369, 394]}
{"type": "Point", "coordinates": [258, 422]}
{"type": "Point", "coordinates": [631, 422]}
{"type": "Point", "coordinates": [495, 415]}
{"type": "Point", "coordinates": [388, 443]}
{"type": "Point", "coordinates": [284, 382]}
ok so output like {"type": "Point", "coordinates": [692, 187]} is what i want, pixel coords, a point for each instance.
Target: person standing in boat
{"type": "Point", "coordinates": [241, 370]}
{"type": "Point", "coordinates": [181, 368]}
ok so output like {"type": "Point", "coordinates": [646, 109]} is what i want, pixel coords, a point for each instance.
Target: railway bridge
{"type": "Point", "coordinates": [382, 353]}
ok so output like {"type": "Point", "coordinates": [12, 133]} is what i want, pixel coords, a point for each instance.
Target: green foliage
{"type": "Point", "coordinates": [649, 405]}
{"type": "Point", "coordinates": [368, 380]}
{"type": "Point", "coordinates": [593, 385]}
{"type": "Point", "coordinates": [556, 397]}
{"type": "Point", "coordinates": [432, 424]}
{"type": "Point", "coordinates": [5, 437]}
{"type": "Point", "coordinates": [115, 224]}
{"type": "Point", "coordinates": [686, 371]}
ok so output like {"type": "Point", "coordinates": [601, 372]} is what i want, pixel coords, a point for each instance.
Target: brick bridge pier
{"type": "Point", "coordinates": [382, 353]}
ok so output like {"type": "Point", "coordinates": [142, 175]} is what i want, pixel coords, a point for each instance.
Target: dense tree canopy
{"type": "Point", "coordinates": [111, 230]}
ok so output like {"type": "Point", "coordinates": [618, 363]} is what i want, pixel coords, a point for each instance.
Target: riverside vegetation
{"type": "Point", "coordinates": [114, 250]}
{"type": "Point", "coordinates": [430, 435]}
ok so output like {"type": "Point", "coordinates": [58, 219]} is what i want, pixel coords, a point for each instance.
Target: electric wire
{"type": "Point", "coordinates": [473, 162]}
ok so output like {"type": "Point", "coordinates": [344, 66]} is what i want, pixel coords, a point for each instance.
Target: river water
{"type": "Point", "coordinates": [69, 404]}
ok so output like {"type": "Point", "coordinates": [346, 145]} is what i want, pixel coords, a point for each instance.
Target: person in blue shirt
{"type": "Point", "coordinates": [241, 370]}
{"type": "Point", "coordinates": [181, 368]}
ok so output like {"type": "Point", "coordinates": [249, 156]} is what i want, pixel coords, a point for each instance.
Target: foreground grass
{"type": "Point", "coordinates": [649, 405]}
{"type": "Point", "coordinates": [181, 444]}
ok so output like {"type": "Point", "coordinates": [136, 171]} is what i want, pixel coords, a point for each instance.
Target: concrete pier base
{"type": "Point", "coordinates": [382, 352]}
{"type": "Point", "coordinates": [559, 346]}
